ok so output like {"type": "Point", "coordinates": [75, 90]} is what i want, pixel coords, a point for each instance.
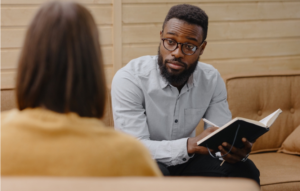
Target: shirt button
{"type": "Point", "coordinates": [176, 120]}
{"type": "Point", "coordinates": [184, 159]}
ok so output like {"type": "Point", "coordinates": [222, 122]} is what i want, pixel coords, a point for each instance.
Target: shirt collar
{"type": "Point", "coordinates": [190, 82]}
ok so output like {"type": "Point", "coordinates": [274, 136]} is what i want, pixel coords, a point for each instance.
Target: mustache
{"type": "Point", "coordinates": [176, 61]}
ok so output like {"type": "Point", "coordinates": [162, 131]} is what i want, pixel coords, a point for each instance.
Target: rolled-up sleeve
{"type": "Point", "coordinates": [128, 103]}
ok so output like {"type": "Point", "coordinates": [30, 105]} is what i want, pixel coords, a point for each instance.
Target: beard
{"type": "Point", "coordinates": [178, 79]}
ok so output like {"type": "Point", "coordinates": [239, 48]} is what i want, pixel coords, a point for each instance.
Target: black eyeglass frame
{"type": "Point", "coordinates": [197, 47]}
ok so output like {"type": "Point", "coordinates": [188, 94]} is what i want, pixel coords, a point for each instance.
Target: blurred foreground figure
{"type": "Point", "coordinates": [60, 91]}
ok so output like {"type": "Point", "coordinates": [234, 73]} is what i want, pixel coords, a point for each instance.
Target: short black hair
{"type": "Point", "coordinates": [190, 14]}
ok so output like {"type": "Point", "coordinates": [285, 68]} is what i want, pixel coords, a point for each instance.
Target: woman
{"type": "Point", "coordinates": [60, 90]}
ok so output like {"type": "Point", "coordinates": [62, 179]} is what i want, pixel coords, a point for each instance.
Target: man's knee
{"type": "Point", "coordinates": [253, 170]}
{"type": "Point", "coordinates": [163, 168]}
{"type": "Point", "coordinates": [247, 169]}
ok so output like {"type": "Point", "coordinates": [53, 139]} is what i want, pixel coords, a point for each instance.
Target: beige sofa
{"type": "Point", "coordinates": [27, 183]}
{"type": "Point", "coordinates": [254, 97]}
{"type": "Point", "coordinates": [276, 153]}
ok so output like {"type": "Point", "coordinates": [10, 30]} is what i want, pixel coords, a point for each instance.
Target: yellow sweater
{"type": "Point", "coordinates": [42, 142]}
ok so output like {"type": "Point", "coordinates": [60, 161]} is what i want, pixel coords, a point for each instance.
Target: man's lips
{"type": "Point", "coordinates": [175, 65]}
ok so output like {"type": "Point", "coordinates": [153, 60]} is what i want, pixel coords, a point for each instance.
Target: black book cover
{"type": "Point", "coordinates": [248, 130]}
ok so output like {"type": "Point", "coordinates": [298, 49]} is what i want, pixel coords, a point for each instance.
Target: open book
{"type": "Point", "coordinates": [236, 129]}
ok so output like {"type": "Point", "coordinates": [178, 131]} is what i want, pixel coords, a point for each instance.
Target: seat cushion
{"type": "Point", "coordinates": [278, 169]}
{"type": "Point", "coordinates": [289, 186]}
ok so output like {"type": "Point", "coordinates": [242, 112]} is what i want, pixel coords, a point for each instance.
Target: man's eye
{"type": "Point", "coordinates": [189, 46]}
{"type": "Point", "coordinates": [170, 41]}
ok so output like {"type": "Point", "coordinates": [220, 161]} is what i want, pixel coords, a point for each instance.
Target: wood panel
{"type": "Point", "coordinates": [254, 30]}
{"type": "Point", "coordinates": [8, 77]}
{"type": "Point", "coordinates": [17, 16]}
{"type": "Point", "coordinates": [109, 74]}
{"type": "Point", "coordinates": [22, 15]}
{"type": "Point", "coordinates": [149, 33]}
{"type": "Point", "coordinates": [253, 48]}
{"type": "Point", "coordinates": [225, 50]}
{"type": "Point", "coordinates": [13, 37]}
{"type": "Point", "coordinates": [117, 30]}
{"type": "Point", "coordinates": [30, 2]}
{"type": "Point", "coordinates": [9, 57]}
{"type": "Point", "coordinates": [101, 14]}
{"type": "Point", "coordinates": [232, 66]}
{"type": "Point", "coordinates": [107, 53]}
{"type": "Point", "coordinates": [155, 13]}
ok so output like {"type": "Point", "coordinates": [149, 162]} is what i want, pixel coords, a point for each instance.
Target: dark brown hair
{"type": "Point", "coordinates": [60, 66]}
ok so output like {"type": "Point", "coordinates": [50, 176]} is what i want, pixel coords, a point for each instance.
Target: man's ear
{"type": "Point", "coordinates": [161, 33]}
{"type": "Point", "coordinates": [203, 47]}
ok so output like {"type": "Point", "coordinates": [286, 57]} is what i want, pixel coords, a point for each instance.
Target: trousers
{"type": "Point", "coordinates": [205, 165]}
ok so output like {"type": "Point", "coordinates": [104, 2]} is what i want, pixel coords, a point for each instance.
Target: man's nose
{"type": "Point", "coordinates": [177, 53]}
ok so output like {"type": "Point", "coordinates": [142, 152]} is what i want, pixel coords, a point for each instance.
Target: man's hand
{"type": "Point", "coordinates": [192, 146]}
{"type": "Point", "coordinates": [235, 154]}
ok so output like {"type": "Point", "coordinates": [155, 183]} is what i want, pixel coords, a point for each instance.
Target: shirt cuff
{"type": "Point", "coordinates": [182, 156]}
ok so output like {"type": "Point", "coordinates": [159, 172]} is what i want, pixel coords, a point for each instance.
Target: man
{"type": "Point", "coordinates": [161, 99]}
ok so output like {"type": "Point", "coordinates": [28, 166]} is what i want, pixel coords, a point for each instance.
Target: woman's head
{"type": "Point", "coordinates": [60, 66]}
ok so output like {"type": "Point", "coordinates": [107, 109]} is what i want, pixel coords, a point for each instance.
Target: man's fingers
{"type": "Point", "coordinates": [234, 150]}
{"type": "Point", "coordinates": [212, 128]}
{"type": "Point", "coordinates": [247, 145]}
{"type": "Point", "coordinates": [229, 157]}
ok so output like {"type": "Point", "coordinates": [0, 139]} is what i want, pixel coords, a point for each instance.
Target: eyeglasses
{"type": "Point", "coordinates": [186, 48]}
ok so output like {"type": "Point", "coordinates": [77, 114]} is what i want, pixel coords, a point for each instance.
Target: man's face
{"type": "Point", "coordinates": [174, 65]}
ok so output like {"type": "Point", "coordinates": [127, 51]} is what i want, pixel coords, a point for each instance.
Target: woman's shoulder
{"type": "Point", "coordinates": [9, 114]}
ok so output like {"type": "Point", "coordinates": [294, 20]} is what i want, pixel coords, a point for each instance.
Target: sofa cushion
{"type": "Point", "coordinates": [108, 117]}
{"type": "Point", "coordinates": [292, 144]}
{"type": "Point", "coordinates": [289, 186]}
{"type": "Point", "coordinates": [277, 168]}
{"type": "Point", "coordinates": [257, 95]}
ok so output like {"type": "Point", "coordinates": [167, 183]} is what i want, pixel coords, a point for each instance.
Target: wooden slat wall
{"type": "Point", "coordinates": [243, 35]}
{"type": "Point", "coordinates": [16, 15]}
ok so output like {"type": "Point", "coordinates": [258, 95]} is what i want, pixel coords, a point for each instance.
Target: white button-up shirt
{"type": "Point", "coordinates": [146, 106]}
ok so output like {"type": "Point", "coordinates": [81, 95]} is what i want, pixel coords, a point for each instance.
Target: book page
{"type": "Point", "coordinates": [269, 120]}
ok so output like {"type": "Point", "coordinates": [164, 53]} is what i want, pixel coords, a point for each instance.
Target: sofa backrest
{"type": "Point", "coordinates": [254, 96]}
{"type": "Point", "coordinates": [108, 116]}
{"type": "Point", "coordinates": [251, 96]}
{"type": "Point", "coordinates": [8, 100]}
